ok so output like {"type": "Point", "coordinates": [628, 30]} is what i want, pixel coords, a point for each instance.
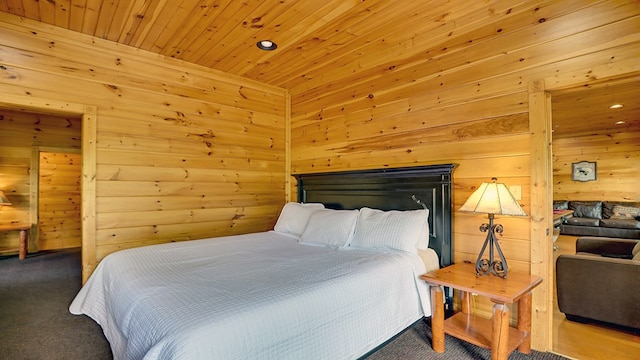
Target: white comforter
{"type": "Point", "coordinates": [254, 296]}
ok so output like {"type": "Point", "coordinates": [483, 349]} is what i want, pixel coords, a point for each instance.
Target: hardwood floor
{"type": "Point", "coordinates": [589, 341]}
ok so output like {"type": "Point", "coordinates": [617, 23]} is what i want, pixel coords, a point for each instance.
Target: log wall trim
{"type": "Point", "coordinates": [541, 213]}
{"type": "Point", "coordinates": [88, 212]}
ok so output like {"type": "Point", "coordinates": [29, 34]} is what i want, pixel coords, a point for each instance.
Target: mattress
{"type": "Point", "coordinates": [253, 296]}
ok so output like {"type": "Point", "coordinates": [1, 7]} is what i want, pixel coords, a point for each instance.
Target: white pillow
{"type": "Point", "coordinates": [331, 228]}
{"type": "Point", "coordinates": [294, 217]}
{"type": "Point", "coordinates": [397, 230]}
{"type": "Point", "coordinates": [423, 242]}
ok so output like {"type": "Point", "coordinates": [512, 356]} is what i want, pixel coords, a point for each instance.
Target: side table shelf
{"type": "Point", "coordinates": [494, 334]}
{"type": "Point", "coordinates": [477, 331]}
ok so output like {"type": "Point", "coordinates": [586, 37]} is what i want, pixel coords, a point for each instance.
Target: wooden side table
{"type": "Point", "coordinates": [24, 238]}
{"type": "Point", "coordinates": [559, 216]}
{"type": "Point", "coordinates": [494, 334]}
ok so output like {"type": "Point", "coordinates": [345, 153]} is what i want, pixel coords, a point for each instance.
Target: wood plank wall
{"type": "Point", "coordinates": [183, 152]}
{"type": "Point", "coordinates": [20, 134]}
{"type": "Point", "coordinates": [617, 155]}
{"type": "Point", "coordinates": [59, 220]}
{"type": "Point", "coordinates": [465, 101]}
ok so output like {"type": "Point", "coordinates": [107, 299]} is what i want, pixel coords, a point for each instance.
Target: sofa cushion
{"type": "Point", "coordinates": [586, 209]}
{"type": "Point", "coordinates": [560, 205]}
{"type": "Point", "coordinates": [608, 207]}
{"type": "Point", "coordinates": [625, 212]}
{"type": "Point", "coordinates": [582, 221]}
{"type": "Point", "coordinates": [617, 256]}
{"type": "Point", "coordinates": [620, 223]}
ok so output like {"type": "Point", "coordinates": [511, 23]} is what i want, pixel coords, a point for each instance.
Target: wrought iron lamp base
{"type": "Point", "coordinates": [491, 266]}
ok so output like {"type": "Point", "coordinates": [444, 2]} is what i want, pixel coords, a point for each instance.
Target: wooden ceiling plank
{"type": "Point", "coordinates": [31, 9]}
{"type": "Point", "coordinates": [121, 14]}
{"type": "Point", "coordinates": [273, 25]}
{"type": "Point", "coordinates": [192, 28]}
{"type": "Point", "coordinates": [294, 25]}
{"type": "Point", "coordinates": [182, 44]}
{"type": "Point", "coordinates": [91, 15]}
{"type": "Point", "coordinates": [225, 40]}
{"type": "Point", "coordinates": [167, 24]}
{"type": "Point", "coordinates": [76, 14]}
{"type": "Point", "coordinates": [203, 30]}
{"type": "Point", "coordinates": [380, 43]}
{"type": "Point", "coordinates": [142, 27]}
{"type": "Point", "coordinates": [430, 90]}
{"type": "Point", "coordinates": [473, 31]}
{"type": "Point", "coordinates": [468, 24]}
{"type": "Point", "coordinates": [325, 45]}
{"type": "Point", "coordinates": [47, 12]}
{"type": "Point", "coordinates": [263, 23]}
{"type": "Point", "coordinates": [539, 35]}
{"type": "Point", "coordinates": [62, 12]}
{"type": "Point", "coordinates": [338, 37]}
{"type": "Point", "coordinates": [16, 7]}
{"type": "Point", "coordinates": [104, 17]}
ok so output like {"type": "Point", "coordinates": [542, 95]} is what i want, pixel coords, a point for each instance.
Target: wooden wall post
{"type": "Point", "coordinates": [541, 214]}
{"type": "Point", "coordinates": [88, 212]}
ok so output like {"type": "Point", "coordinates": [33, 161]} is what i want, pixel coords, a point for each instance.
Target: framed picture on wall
{"type": "Point", "coordinates": [583, 171]}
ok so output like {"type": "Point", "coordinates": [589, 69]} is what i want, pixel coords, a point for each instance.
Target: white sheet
{"type": "Point", "coordinates": [254, 296]}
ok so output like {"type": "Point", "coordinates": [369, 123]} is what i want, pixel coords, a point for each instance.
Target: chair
{"type": "Point", "coordinates": [601, 281]}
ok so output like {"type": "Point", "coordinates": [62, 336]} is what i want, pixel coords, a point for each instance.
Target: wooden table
{"type": "Point", "coordinates": [23, 244]}
{"type": "Point", "coordinates": [560, 215]}
{"type": "Point", "coordinates": [558, 218]}
{"type": "Point", "coordinates": [494, 334]}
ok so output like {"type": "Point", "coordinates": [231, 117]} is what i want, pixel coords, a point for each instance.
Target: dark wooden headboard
{"type": "Point", "coordinates": [390, 189]}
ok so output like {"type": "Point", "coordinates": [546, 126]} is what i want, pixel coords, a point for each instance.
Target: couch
{"type": "Point", "coordinates": [601, 281]}
{"type": "Point", "coordinates": [616, 219]}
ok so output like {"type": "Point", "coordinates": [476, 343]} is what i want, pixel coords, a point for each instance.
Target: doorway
{"type": "Point", "coordinates": [89, 118]}
{"type": "Point", "coordinates": [586, 128]}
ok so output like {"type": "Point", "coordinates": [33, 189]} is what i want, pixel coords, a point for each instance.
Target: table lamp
{"type": "Point", "coordinates": [492, 198]}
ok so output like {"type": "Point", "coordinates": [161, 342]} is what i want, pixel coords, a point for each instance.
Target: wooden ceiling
{"type": "Point", "coordinates": [320, 42]}
{"type": "Point", "coordinates": [587, 109]}
{"type": "Point", "coordinates": [314, 37]}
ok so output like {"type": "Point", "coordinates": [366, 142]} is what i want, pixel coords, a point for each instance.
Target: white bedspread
{"type": "Point", "coordinates": [254, 296]}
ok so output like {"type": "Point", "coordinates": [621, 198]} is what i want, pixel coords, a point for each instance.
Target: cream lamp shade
{"type": "Point", "coordinates": [493, 198]}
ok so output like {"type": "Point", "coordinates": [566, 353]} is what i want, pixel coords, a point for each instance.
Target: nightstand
{"type": "Point", "coordinates": [494, 334]}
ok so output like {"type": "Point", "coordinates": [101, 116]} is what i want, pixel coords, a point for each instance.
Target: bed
{"type": "Point", "coordinates": [336, 277]}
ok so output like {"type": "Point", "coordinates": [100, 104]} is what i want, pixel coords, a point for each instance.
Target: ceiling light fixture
{"type": "Point", "coordinates": [266, 45]}
{"type": "Point", "coordinates": [619, 122]}
{"type": "Point", "coordinates": [616, 106]}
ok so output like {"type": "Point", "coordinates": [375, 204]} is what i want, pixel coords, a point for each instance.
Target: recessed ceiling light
{"type": "Point", "coordinates": [616, 106]}
{"type": "Point", "coordinates": [619, 122]}
{"type": "Point", "coordinates": [266, 45]}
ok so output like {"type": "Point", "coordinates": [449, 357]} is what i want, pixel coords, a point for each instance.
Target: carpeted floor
{"type": "Point", "coordinates": [35, 322]}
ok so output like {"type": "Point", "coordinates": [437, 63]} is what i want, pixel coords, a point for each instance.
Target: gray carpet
{"type": "Point", "coordinates": [35, 322]}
